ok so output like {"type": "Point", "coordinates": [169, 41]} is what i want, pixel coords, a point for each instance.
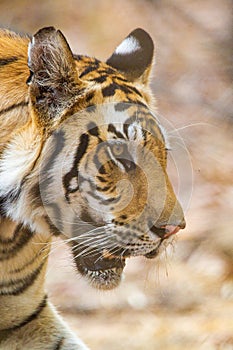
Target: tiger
{"type": "Point", "coordinates": [82, 156]}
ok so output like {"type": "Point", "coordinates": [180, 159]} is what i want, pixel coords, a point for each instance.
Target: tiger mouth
{"type": "Point", "coordinates": [102, 269]}
{"type": "Point", "coordinates": [101, 272]}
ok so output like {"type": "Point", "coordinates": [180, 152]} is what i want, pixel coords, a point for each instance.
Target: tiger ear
{"type": "Point", "coordinates": [53, 81]}
{"type": "Point", "coordinates": [134, 56]}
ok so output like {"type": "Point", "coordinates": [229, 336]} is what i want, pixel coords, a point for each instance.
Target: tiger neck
{"type": "Point", "coordinates": [23, 261]}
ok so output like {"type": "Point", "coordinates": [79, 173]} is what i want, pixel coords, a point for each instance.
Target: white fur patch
{"type": "Point", "coordinates": [17, 160]}
{"type": "Point", "coordinates": [73, 184]}
{"type": "Point", "coordinates": [30, 46]}
{"type": "Point", "coordinates": [135, 132]}
{"type": "Point", "coordinates": [12, 171]}
{"type": "Point", "coordinates": [129, 45]}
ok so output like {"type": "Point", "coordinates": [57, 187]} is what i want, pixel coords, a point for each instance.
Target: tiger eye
{"type": "Point", "coordinates": [118, 149]}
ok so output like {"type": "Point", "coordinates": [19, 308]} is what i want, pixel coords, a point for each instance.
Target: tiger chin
{"type": "Point", "coordinates": [82, 156]}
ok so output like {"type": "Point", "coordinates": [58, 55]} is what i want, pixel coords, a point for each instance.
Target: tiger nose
{"type": "Point", "coordinates": [173, 229]}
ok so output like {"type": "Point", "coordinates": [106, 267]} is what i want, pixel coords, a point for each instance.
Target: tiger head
{"type": "Point", "coordinates": [102, 168]}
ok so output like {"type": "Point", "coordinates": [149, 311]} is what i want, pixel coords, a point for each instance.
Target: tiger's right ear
{"type": "Point", "coordinates": [54, 82]}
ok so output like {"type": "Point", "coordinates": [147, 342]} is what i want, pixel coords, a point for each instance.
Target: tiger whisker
{"type": "Point", "coordinates": [75, 222]}
{"type": "Point", "coordinates": [97, 245]}
{"type": "Point", "coordinates": [98, 240]}
{"type": "Point", "coordinates": [95, 240]}
{"type": "Point", "coordinates": [89, 251]}
{"type": "Point", "coordinates": [181, 144]}
{"type": "Point", "coordinates": [56, 245]}
{"type": "Point", "coordinates": [189, 125]}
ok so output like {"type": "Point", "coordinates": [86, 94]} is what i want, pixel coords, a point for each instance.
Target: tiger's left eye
{"type": "Point", "coordinates": [118, 149]}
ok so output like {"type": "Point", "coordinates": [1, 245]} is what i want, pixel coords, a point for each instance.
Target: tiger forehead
{"type": "Point", "coordinates": [118, 120]}
{"type": "Point", "coordinates": [107, 82]}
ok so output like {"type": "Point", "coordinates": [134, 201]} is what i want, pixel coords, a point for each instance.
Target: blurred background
{"type": "Point", "coordinates": [184, 300]}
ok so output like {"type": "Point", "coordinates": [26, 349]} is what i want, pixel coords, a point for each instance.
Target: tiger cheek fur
{"type": "Point", "coordinates": [83, 156]}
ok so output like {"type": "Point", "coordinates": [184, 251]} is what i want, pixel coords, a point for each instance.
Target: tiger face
{"type": "Point", "coordinates": [102, 169]}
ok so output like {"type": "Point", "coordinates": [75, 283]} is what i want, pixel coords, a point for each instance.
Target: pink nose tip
{"type": "Point", "coordinates": [171, 230]}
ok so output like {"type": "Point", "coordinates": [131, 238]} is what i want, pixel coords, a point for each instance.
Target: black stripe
{"type": "Point", "coordinates": [101, 178]}
{"type": "Point", "coordinates": [122, 106]}
{"type": "Point", "coordinates": [35, 196]}
{"type": "Point", "coordinates": [128, 163]}
{"type": "Point", "coordinates": [53, 229]}
{"type": "Point", "coordinates": [93, 129]}
{"type": "Point", "coordinates": [56, 217]}
{"type": "Point", "coordinates": [88, 97]}
{"type": "Point", "coordinates": [110, 90]}
{"type": "Point", "coordinates": [133, 89]}
{"type": "Point", "coordinates": [125, 128]}
{"type": "Point", "coordinates": [93, 194]}
{"type": "Point", "coordinates": [23, 283]}
{"type": "Point", "coordinates": [25, 237]}
{"type": "Point", "coordinates": [103, 189]}
{"type": "Point", "coordinates": [101, 79]}
{"type": "Point", "coordinates": [111, 200]}
{"type": "Point", "coordinates": [30, 262]}
{"type": "Point", "coordinates": [12, 239]}
{"type": "Point", "coordinates": [102, 170]}
{"type": "Point", "coordinates": [8, 60]}
{"type": "Point", "coordinates": [108, 71]}
{"type": "Point", "coordinates": [82, 147]}
{"type": "Point", "coordinates": [2, 206]}
{"type": "Point", "coordinates": [86, 217]}
{"type": "Point", "coordinates": [35, 314]}
{"type": "Point", "coordinates": [137, 103]}
{"type": "Point", "coordinates": [31, 317]}
{"type": "Point", "coordinates": [59, 142]}
{"type": "Point", "coordinates": [130, 121]}
{"type": "Point", "coordinates": [11, 197]}
{"type": "Point", "coordinates": [59, 344]}
{"type": "Point", "coordinates": [119, 78]}
{"type": "Point", "coordinates": [112, 128]}
{"type": "Point", "coordinates": [15, 105]}
{"type": "Point", "coordinates": [89, 69]}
